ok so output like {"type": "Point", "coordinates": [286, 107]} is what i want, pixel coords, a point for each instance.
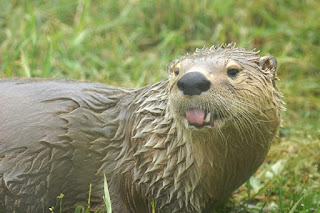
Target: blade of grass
{"type": "Point", "coordinates": [107, 199]}
{"type": "Point", "coordinates": [25, 64]}
{"type": "Point", "coordinates": [88, 208]}
{"type": "Point", "coordinates": [48, 58]}
{"type": "Point", "coordinates": [292, 210]}
{"type": "Point", "coordinates": [153, 207]}
{"type": "Point", "coordinates": [79, 209]}
{"type": "Point", "coordinates": [60, 205]}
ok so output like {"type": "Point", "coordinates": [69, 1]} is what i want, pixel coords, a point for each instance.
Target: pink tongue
{"type": "Point", "coordinates": [195, 116]}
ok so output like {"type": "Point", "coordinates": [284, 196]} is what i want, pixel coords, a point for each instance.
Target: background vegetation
{"type": "Point", "coordinates": [129, 43]}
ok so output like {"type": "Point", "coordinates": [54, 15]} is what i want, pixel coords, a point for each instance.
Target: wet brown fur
{"type": "Point", "coordinates": [59, 136]}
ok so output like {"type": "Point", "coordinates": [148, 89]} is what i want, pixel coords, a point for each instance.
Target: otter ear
{"type": "Point", "coordinates": [268, 63]}
{"type": "Point", "coordinates": [171, 64]}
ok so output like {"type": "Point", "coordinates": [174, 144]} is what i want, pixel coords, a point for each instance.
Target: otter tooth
{"type": "Point", "coordinates": [208, 117]}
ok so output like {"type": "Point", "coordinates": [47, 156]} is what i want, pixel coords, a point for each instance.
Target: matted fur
{"type": "Point", "coordinates": [59, 136]}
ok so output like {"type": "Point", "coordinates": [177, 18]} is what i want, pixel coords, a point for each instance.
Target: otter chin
{"type": "Point", "coordinates": [184, 143]}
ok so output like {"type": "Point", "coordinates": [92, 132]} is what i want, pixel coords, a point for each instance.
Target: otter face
{"type": "Point", "coordinates": [215, 86]}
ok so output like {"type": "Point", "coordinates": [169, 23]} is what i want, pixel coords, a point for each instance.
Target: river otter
{"type": "Point", "coordinates": [185, 143]}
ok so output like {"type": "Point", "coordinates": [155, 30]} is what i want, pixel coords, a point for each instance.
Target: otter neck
{"type": "Point", "coordinates": [170, 162]}
{"type": "Point", "coordinates": [179, 169]}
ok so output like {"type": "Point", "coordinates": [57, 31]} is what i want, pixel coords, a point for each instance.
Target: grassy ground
{"type": "Point", "coordinates": [129, 43]}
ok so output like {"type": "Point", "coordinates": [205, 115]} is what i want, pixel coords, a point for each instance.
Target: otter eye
{"type": "Point", "coordinates": [233, 72]}
{"type": "Point", "coordinates": [176, 72]}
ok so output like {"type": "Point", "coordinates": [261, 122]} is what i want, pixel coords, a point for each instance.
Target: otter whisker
{"type": "Point", "coordinates": [184, 143]}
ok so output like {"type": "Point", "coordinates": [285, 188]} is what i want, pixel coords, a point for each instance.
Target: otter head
{"type": "Point", "coordinates": [215, 86]}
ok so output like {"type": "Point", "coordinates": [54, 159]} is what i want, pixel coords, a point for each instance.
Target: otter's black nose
{"type": "Point", "coordinates": [193, 83]}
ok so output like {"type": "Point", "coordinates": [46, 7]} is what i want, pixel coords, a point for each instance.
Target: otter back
{"type": "Point", "coordinates": [184, 143]}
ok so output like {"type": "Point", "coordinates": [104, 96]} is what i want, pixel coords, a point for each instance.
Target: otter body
{"type": "Point", "coordinates": [185, 143]}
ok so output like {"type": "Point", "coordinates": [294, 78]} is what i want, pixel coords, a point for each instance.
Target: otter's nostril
{"type": "Point", "coordinates": [193, 83]}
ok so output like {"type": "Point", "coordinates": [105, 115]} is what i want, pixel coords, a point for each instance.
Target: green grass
{"type": "Point", "coordinates": [129, 43]}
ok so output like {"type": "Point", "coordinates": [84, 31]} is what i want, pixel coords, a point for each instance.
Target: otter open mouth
{"type": "Point", "coordinates": [200, 118]}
